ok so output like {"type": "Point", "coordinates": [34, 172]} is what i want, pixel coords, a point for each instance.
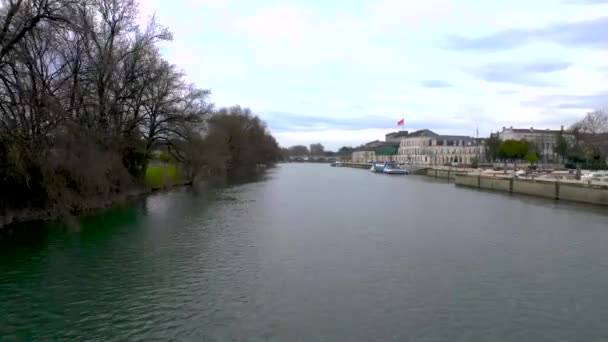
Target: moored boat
{"type": "Point", "coordinates": [395, 169]}
{"type": "Point", "coordinates": [377, 167]}
{"type": "Point", "coordinates": [389, 168]}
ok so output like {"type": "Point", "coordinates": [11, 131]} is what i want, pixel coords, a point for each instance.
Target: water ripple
{"type": "Point", "coordinates": [290, 259]}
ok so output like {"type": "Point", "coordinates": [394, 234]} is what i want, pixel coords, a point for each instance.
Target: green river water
{"type": "Point", "coordinates": [314, 253]}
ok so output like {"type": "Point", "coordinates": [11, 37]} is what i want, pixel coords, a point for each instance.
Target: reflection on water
{"type": "Point", "coordinates": [314, 253]}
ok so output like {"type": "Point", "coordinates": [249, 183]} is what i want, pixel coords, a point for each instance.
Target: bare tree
{"type": "Point", "coordinates": [593, 123]}
{"type": "Point", "coordinates": [85, 97]}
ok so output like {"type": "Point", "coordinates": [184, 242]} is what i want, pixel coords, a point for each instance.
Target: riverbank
{"type": "Point", "coordinates": [554, 189]}
{"type": "Point", "coordinates": [158, 178]}
{"type": "Point", "coordinates": [558, 189]}
{"type": "Point", "coordinates": [566, 190]}
{"type": "Point", "coordinates": [92, 205]}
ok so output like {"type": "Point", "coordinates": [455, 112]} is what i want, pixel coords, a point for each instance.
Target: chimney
{"type": "Point", "coordinates": [503, 128]}
{"type": "Point", "coordinates": [531, 129]}
{"type": "Point", "coordinates": [562, 127]}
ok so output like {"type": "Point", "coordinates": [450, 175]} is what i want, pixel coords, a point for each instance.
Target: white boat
{"type": "Point", "coordinates": [394, 170]}
{"type": "Point", "coordinates": [389, 168]}
{"type": "Point", "coordinates": [377, 167]}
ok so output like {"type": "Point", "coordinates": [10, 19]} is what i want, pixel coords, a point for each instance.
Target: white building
{"type": "Point", "coordinates": [363, 156]}
{"type": "Point", "coordinates": [545, 140]}
{"type": "Point", "coordinates": [429, 148]}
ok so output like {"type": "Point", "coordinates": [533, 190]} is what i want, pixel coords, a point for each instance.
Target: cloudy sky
{"type": "Point", "coordinates": [343, 72]}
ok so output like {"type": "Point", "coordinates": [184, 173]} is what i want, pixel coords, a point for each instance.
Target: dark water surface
{"type": "Point", "coordinates": [315, 253]}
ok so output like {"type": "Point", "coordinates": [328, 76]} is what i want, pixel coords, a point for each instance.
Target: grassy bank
{"type": "Point", "coordinates": [159, 177]}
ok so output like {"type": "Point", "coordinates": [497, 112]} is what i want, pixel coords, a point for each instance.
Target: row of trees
{"type": "Point", "coordinates": [85, 97]}
{"type": "Point", "coordinates": [318, 150]}
{"type": "Point", "coordinates": [302, 150]}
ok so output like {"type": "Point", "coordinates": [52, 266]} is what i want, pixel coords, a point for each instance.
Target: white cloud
{"type": "Point", "coordinates": [369, 58]}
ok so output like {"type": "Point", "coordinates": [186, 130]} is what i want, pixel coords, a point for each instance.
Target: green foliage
{"type": "Point", "coordinates": [513, 149]}
{"type": "Point", "coordinates": [531, 158]}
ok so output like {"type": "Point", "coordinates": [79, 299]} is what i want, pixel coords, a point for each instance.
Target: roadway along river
{"type": "Point", "coordinates": [314, 253]}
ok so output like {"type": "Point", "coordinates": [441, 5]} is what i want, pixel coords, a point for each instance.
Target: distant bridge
{"type": "Point", "coordinates": [313, 159]}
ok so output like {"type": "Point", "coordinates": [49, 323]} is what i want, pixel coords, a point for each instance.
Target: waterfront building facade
{"type": "Point", "coordinates": [429, 148]}
{"type": "Point", "coordinates": [363, 156]}
{"type": "Point", "coordinates": [544, 139]}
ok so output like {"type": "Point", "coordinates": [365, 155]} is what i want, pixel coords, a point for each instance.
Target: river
{"type": "Point", "coordinates": [314, 253]}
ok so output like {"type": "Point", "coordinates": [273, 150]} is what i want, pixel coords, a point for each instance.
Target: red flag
{"type": "Point", "coordinates": [401, 122]}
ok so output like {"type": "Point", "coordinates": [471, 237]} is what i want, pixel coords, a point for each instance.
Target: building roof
{"type": "Point", "coordinates": [378, 143]}
{"type": "Point", "coordinates": [530, 130]}
{"type": "Point", "coordinates": [423, 133]}
{"type": "Point", "coordinates": [440, 137]}
{"type": "Point", "coordinates": [373, 143]}
{"type": "Point", "coordinates": [397, 134]}
{"type": "Point", "coordinates": [455, 137]}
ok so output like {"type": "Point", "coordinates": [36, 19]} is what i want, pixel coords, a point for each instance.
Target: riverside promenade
{"type": "Point", "coordinates": [547, 187]}
{"type": "Point", "coordinates": [568, 190]}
